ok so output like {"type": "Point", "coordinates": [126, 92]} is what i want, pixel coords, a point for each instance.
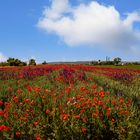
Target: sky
{"type": "Point", "coordinates": [69, 30]}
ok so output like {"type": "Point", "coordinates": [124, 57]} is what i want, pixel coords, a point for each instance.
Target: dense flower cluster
{"type": "Point", "coordinates": [30, 72]}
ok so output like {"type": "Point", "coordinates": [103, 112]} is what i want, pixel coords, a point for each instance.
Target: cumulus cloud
{"type": "Point", "coordinates": [90, 24]}
{"type": "Point", "coordinates": [2, 57]}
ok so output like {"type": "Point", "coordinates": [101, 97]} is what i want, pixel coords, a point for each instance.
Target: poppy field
{"type": "Point", "coordinates": [69, 102]}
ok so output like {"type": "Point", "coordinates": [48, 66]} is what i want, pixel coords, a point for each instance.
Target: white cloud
{"type": "Point", "coordinates": [2, 57]}
{"type": "Point", "coordinates": [90, 24]}
{"type": "Point", "coordinates": [57, 8]}
{"type": "Point", "coordinates": [131, 18]}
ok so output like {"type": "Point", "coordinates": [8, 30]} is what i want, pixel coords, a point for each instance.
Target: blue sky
{"type": "Point", "coordinates": [69, 30]}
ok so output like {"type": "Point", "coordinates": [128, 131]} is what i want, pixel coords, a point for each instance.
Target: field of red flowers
{"type": "Point", "coordinates": [69, 102]}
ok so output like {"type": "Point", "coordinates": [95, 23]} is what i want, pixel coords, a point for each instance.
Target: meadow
{"type": "Point", "coordinates": [69, 102]}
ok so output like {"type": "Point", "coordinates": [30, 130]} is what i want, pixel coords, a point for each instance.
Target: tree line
{"type": "Point", "coordinates": [16, 62]}
{"type": "Point", "coordinates": [116, 61]}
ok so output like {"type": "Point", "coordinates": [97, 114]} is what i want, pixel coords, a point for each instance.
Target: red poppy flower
{"type": "Point", "coordinates": [1, 103]}
{"type": "Point", "coordinates": [77, 117]}
{"type": "Point", "coordinates": [47, 111]}
{"type": "Point", "coordinates": [84, 130]}
{"type": "Point", "coordinates": [1, 113]}
{"type": "Point", "coordinates": [2, 127]}
{"type": "Point", "coordinates": [6, 115]}
{"type": "Point", "coordinates": [18, 134]}
{"type": "Point", "coordinates": [36, 123]}
{"type": "Point", "coordinates": [64, 117]}
{"type": "Point", "coordinates": [38, 137]}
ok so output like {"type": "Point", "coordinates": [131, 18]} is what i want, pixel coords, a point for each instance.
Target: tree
{"type": "Point", "coordinates": [11, 61]}
{"type": "Point", "coordinates": [15, 62]}
{"type": "Point", "coordinates": [3, 64]}
{"type": "Point", "coordinates": [117, 60]}
{"type": "Point", "coordinates": [44, 63]}
{"type": "Point", "coordinates": [24, 64]}
{"type": "Point", "coordinates": [32, 62]}
{"type": "Point", "coordinates": [99, 62]}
